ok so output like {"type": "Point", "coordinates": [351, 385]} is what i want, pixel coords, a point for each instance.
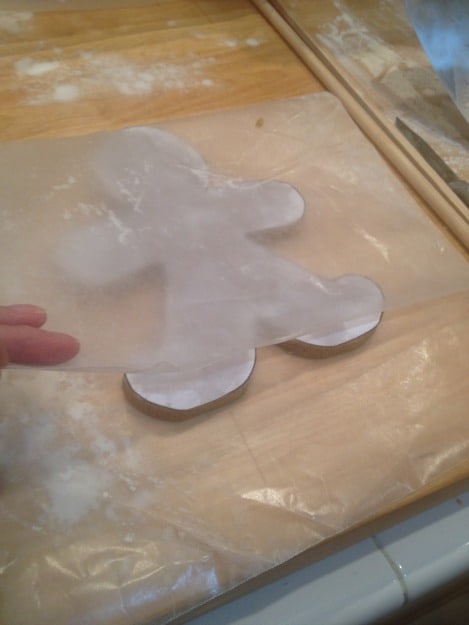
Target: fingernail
{"type": "Point", "coordinates": [23, 314]}
{"type": "Point", "coordinates": [20, 309]}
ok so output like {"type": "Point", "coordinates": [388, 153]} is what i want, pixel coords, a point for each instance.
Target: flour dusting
{"type": "Point", "coordinates": [352, 40]}
{"type": "Point", "coordinates": [65, 93]}
{"type": "Point", "coordinates": [124, 233]}
{"type": "Point", "coordinates": [75, 490]}
{"type": "Point", "coordinates": [252, 42]}
{"type": "Point", "coordinates": [58, 80]}
{"type": "Point", "coordinates": [230, 43]}
{"type": "Point", "coordinates": [27, 67]}
{"type": "Point", "coordinates": [15, 22]}
{"type": "Point", "coordinates": [53, 438]}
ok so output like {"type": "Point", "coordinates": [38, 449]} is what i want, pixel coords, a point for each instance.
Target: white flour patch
{"type": "Point", "coordinates": [71, 180]}
{"type": "Point", "coordinates": [55, 80]}
{"type": "Point", "coordinates": [230, 43]}
{"type": "Point", "coordinates": [83, 414]}
{"type": "Point", "coordinates": [350, 39]}
{"type": "Point", "coordinates": [74, 490]}
{"type": "Point", "coordinates": [65, 93]}
{"type": "Point", "coordinates": [89, 209]}
{"type": "Point", "coordinates": [252, 42]}
{"type": "Point", "coordinates": [27, 67]}
{"type": "Point", "coordinates": [15, 22]}
{"type": "Point", "coordinates": [81, 411]}
{"type": "Point", "coordinates": [123, 232]}
{"type": "Point", "coordinates": [46, 440]}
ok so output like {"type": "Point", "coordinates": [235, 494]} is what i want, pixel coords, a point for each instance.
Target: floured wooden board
{"type": "Point", "coordinates": [111, 517]}
{"type": "Point", "coordinates": [75, 71]}
{"type": "Point", "coordinates": [374, 44]}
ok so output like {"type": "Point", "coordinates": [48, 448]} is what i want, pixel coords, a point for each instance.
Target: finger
{"type": "Point", "coordinates": [23, 314]}
{"type": "Point", "coordinates": [31, 346]}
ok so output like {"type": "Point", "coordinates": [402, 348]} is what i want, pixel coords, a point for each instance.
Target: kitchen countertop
{"type": "Point", "coordinates": [240, 55]}
{"type": "Point", "coordinates": [391, 576]}
{"type": "Point", "coordinates": [72, 72]}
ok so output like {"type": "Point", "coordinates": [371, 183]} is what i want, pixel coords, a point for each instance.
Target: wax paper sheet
{"type": "Point", "coordinates": [169, 247]}
{"type": "Point", "coordinates": [110, 517]}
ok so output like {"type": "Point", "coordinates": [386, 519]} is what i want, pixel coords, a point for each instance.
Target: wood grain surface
{"type": "Point", "coordinates": [213, 55]}
{"type": "Point", "coordinates": [242, 59]}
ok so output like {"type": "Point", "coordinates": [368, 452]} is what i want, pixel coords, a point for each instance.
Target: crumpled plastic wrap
{"type": "Point", "coordinates": [374, 47]}
{"type": "Point", "coordinates": [443, 31]}
{"type": "Point", "coordinates": [150, 246]}
{"type": "Point", "coordinates": [111, 518]}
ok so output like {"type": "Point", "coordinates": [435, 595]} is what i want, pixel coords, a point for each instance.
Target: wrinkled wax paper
{"type": "Point", "coordinates": [138, 215]}
{"type": "Point", "coordinates": [150, 245]}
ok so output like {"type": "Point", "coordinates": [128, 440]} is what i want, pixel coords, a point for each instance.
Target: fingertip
{"type": "Point", "coordinates": [67, 348]}
{"type": "Point", "coordinates": [27, 345]}
{"type": "Point", "coordinates": [55, 348]}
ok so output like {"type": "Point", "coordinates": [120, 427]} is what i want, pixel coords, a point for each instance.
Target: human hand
{"type": "Point", "coordinates": [22, 341]}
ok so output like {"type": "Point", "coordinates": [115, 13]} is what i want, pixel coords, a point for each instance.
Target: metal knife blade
{"type": "Point", "coordinates": [460, 187]}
